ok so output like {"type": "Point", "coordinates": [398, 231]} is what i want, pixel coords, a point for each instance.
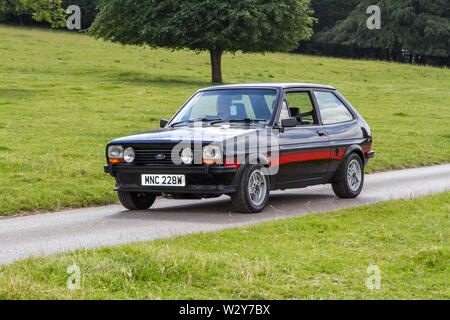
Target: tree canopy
{"type": "Point", "coordinates": [41, 10]}
{"type": "Point", "coordinates": [215, 25]}
{"type": "Point", "coordinates": [421, 27]}
{"type": "Point", "coordinates": [329, 12]}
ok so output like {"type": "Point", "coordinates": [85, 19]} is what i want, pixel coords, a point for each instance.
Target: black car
{"type": "Point", "coordinates": [243, 141]}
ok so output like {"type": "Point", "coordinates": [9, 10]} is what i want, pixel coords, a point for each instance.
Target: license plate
{"type": "Point", "coordinates": [163, 180]}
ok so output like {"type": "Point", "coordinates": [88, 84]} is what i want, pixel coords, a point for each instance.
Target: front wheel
{"type": "Point", "coordinates": [136, 200]}
{"type": "Point", "coordinates": [253, 192]}
{"type": "Point", "coordinates": [350, 178]}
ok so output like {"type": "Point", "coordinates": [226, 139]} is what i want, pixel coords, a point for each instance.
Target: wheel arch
{"type": "Point", "coordinates": [250, 160]}
{"type": "Point", "coordinates": [355, 148]}
{"type": "Point", "coordinates": [352, 149]}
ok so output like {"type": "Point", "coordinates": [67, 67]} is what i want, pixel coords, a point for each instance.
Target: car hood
{"type": "Point", "coordinates": [192, 134]}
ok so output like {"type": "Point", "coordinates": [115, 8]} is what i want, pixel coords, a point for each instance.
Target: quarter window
{"type": "Point", "coordinates": [284, 113]}
{"type": "Point", "coordinates": [332, 110]}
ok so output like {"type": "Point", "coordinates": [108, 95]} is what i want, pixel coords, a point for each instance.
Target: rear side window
{"type": "Point", "coordinates": [332, 110]}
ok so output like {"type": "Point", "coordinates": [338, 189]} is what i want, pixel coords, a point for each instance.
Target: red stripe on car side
{"type": "Point", "coordinates": [304, 157]}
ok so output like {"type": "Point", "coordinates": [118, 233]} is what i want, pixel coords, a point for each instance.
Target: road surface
{"type": "Point", "coordinates": [50, 233]}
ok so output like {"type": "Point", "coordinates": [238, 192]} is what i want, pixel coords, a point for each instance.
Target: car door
{"type": "Point", "coordinates": [304, 149]}
{"type": "Point", "coordinates": [339, 123]}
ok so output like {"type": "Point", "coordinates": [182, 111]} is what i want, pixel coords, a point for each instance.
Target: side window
{"type": "Point", "coordinates": [284, 113]}
{"type": "Point", "coordinates": [301, 107]}
{"type": "Point", "coordinates": [332, 110]}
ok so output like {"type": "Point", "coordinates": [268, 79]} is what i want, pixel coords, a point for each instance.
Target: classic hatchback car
{"type": "Point", "coordinates": [244, 141]}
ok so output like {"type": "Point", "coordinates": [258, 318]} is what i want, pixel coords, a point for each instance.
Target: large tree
{"type": "Point", "coordinates": [418, 27]}
{"type": "Point", "coordinates": [206, 25]}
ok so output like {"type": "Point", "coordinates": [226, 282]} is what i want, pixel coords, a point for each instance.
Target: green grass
{"type": "Point", "coordinates": [323, 256]}
{"type": "Point", "coordinates": [63, 96]}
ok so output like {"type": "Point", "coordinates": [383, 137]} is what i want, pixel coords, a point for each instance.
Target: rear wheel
{"type": "Point", "coordinates": [253, 192]}
{"type": "Point", "coordinates": [136, 200]}
{"type": "Point", "coordinates": [349, 178]}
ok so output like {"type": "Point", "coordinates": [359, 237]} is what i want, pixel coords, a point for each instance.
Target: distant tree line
{"type": "Point", "coordinates": [412, 31]}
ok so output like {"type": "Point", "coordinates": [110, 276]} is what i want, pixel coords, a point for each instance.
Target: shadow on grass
{"type": "Point", "coordinates": [14, 94]}
{"type": "Point", "coordinates": [142, 78]}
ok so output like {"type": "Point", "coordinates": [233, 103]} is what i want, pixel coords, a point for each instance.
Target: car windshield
{"type": "Point", "coordinates": [247, 106]}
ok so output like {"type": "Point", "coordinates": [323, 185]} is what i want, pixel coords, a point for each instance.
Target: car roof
{"type": "Point", "coordinates": [269, 85]}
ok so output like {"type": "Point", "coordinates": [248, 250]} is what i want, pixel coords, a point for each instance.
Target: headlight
{"type": "Point", "coordinates": [115, 154]}
{"type": "Point", "coordinates": [187, 156]}
{"type": "Point", "coordinates": [212, 154]}
{"type": "Point", "coordinates": [129, 155]}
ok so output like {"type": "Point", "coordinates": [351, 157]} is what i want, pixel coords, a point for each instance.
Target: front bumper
{"type": "Point", "coordinates": [370, 155]}
{"type": "Point", "coordinates": [200, 180]}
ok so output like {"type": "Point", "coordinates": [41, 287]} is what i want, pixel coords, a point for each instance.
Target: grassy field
{"type": "Point", "coordinates": [63, 96]}
{"type": "Point", "coordinates": [323, 256]}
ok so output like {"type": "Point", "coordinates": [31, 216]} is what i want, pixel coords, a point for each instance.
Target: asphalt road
{"type": "Point", "coordinates": [49, 233]}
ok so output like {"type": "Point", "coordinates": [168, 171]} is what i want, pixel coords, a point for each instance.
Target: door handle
{"type": "Point", "coordinates": [321, 133]}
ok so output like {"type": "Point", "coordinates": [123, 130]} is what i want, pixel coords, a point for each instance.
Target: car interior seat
{"type": "Point", "coordinates": [239, 112]}
{"type": "Point", "coordinates": [295, 113]}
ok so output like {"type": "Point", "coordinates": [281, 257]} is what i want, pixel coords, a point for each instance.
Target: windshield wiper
{"type": "Point", "coordinates": [246, 120]}
{"type": "Point", "coordinates": [196, 120]}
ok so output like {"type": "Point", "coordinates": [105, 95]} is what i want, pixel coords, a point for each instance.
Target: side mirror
{"type": "Point", "coordinates": [163, 123]}
{"type": "Point", "coordinates": [289, 123]}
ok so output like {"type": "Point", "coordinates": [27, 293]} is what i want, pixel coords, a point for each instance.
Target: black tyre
{"type": "Point", "coordinates": [349, 179]}
{"type": "Point", "coordinates": [136, 200]}
{"type": "Point", "coordinates": [253, 192]}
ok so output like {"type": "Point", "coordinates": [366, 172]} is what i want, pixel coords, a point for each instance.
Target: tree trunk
{"type": "Point", "coordinates": [216, 65]}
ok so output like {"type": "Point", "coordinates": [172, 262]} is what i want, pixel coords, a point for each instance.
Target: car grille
{"type": "Point", "coordinates": [151, 157]}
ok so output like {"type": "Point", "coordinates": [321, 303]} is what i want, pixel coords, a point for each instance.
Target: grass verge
{"type": "Point", "coordinates": [322, 256]}
{"type": "Point", "coordinates": [64, 95]}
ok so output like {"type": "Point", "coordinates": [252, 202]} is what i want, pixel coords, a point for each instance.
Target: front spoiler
{"type": "Point", "coordinates": [192, 189]}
